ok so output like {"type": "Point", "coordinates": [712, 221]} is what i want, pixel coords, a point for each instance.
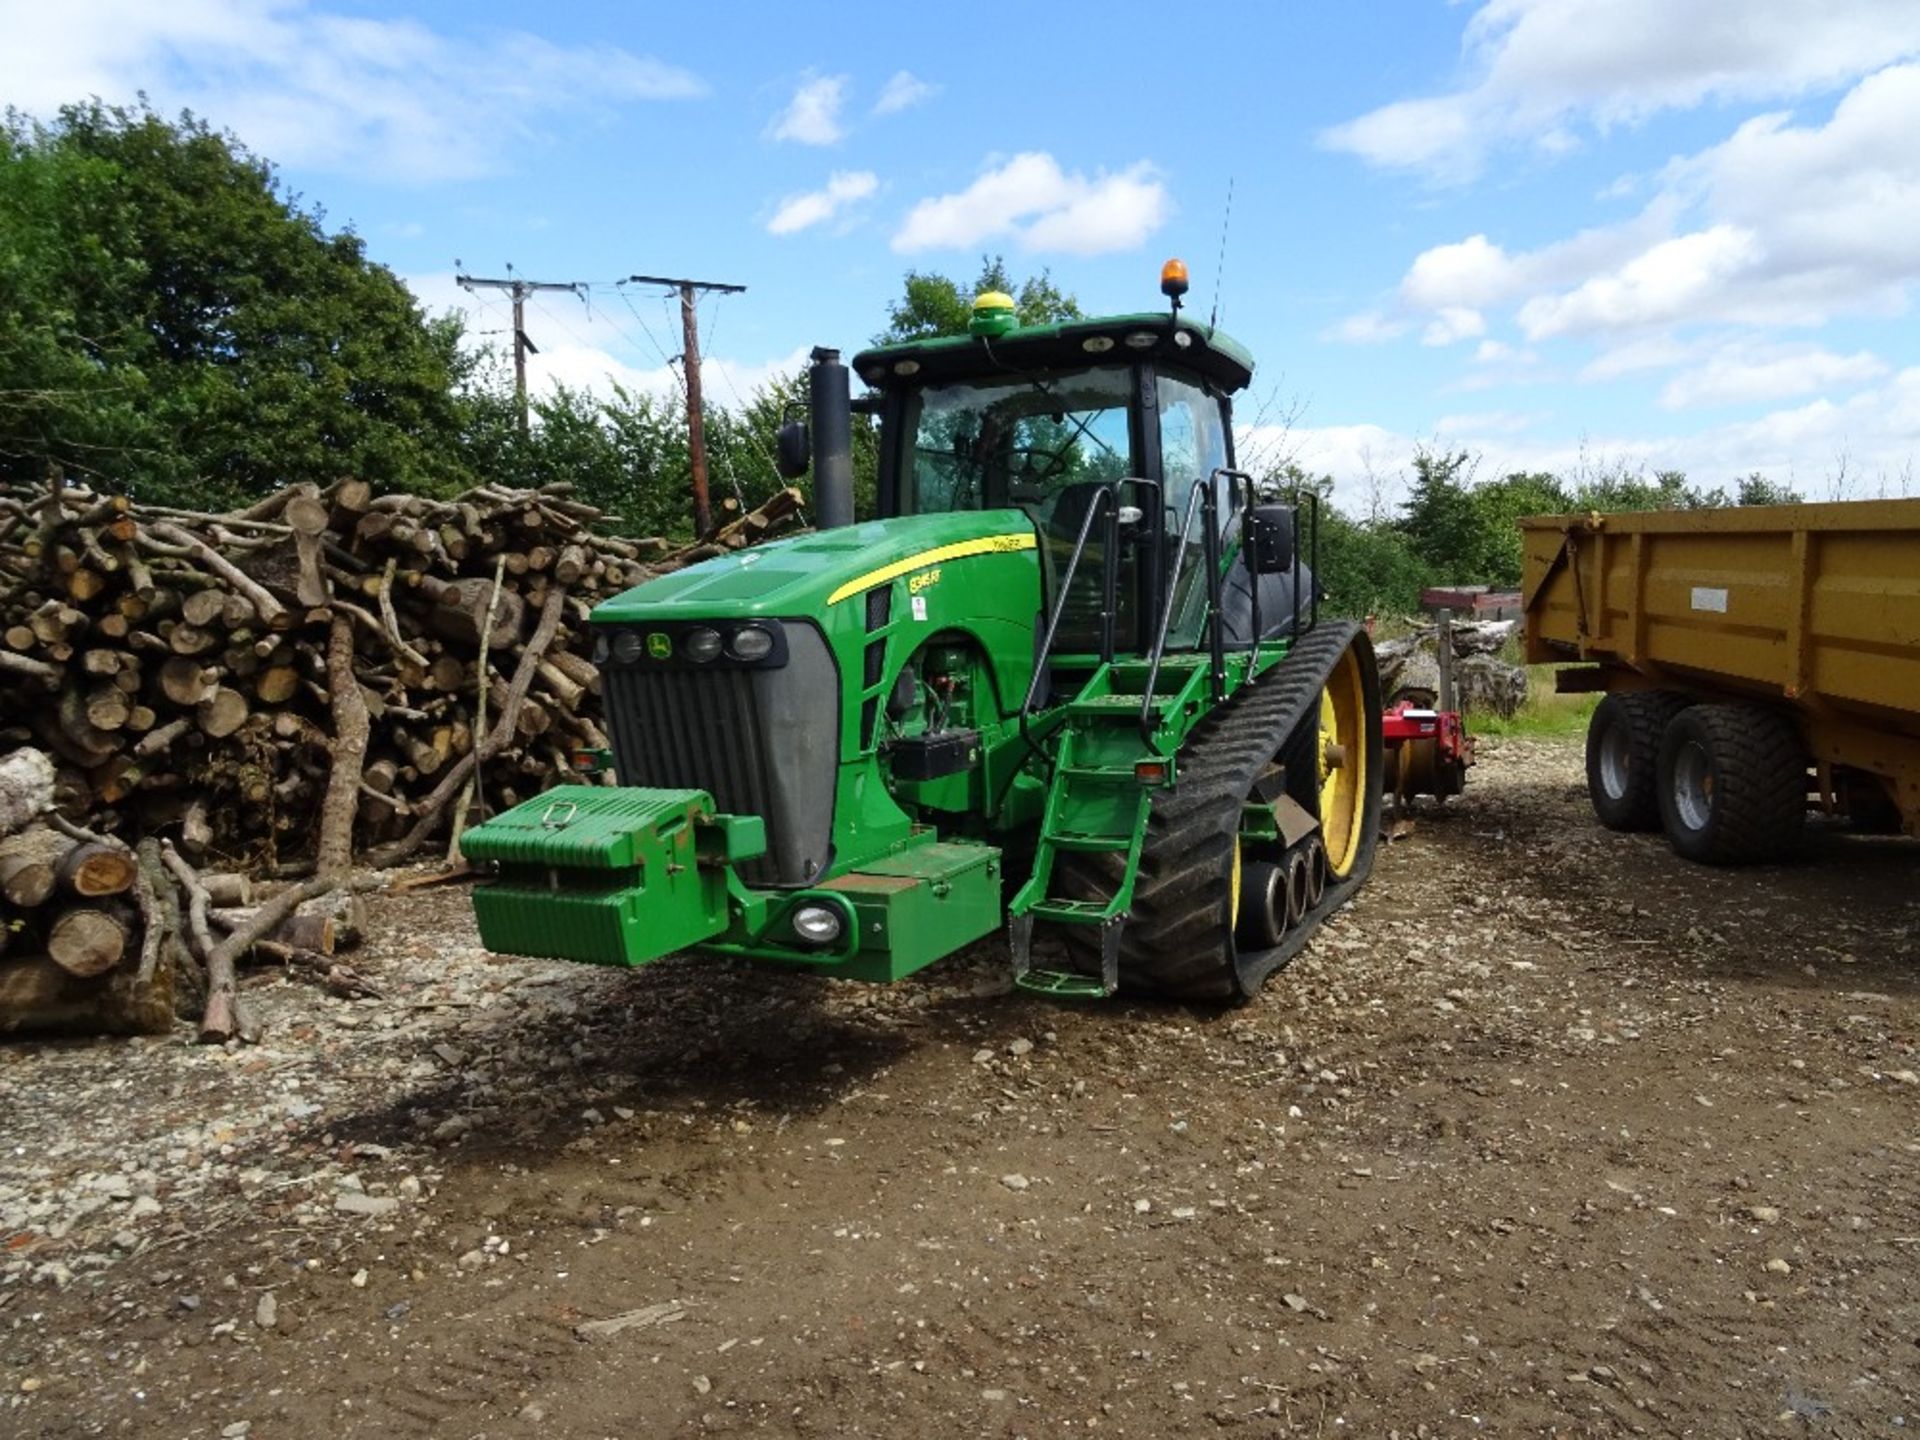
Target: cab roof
{"type": "Point", "coordinates": [1069, 343]}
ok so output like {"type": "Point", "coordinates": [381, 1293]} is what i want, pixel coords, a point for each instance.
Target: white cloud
{"type": "Point", "coordinates": [1031, 200]}
{"type": "Point", "coordinates": [1667, 283]}
{"type": "Point", "coordinates": [1782, 224]}
{"type": "Point", "coordinates": [394, 99]}
{"type": "Point", "coordinates": [1485, 422]}
{"type": "Point", "coordinates": [1865, 446]}
{"type": "Point", "coordinates": [1539, 68]}
{"type": "Point", "coordinates": [1369, 327]}
{"type": "Point", "coordinates": [1651, 352]}
{"type": "Point", "coordinates": [1473, 271]}
{"type": "Point", "coordinates": [1737, 375]}
{"type": "Point", "coordinates": [902, 92]}
{"type": "Point", "coordinates": [814, 207]}
{"type": "Point", "coordinates": [812, 117]}
{"type": "Point", "coordinates": [1452, 325]}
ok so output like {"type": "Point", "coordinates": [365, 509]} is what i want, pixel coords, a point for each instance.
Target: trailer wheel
{"type": "Point", "coordinates": [1623, 756]}
{"type": "Point", "coordinates": [1733, 784]}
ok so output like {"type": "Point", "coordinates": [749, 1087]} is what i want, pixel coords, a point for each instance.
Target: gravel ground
{"type": "Point", "coordinates": [1547, 1134]}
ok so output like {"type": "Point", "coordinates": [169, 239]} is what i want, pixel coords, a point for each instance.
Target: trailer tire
{"type": "Point", "coordinates": [1623, 756]}
{"type": "Point", "coordinates": [1733, 784]}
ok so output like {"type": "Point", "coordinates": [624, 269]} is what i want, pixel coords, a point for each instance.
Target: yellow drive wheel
{"type": "Point", "coordinates": [1343, 764]}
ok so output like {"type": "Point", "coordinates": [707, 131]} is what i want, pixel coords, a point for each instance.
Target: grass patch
{"type": "Point", "coordinates": [1544, 714]}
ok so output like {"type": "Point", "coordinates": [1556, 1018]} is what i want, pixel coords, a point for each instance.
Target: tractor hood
{"type": "Point", "coordinates": [809, 573]}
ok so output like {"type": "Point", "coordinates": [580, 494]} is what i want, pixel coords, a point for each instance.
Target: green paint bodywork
{"type": "Point", "coordinates": [625, 875]}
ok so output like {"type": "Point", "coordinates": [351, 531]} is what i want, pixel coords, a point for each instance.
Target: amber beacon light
{"type": "Point", "coordinates": [1173, 280]}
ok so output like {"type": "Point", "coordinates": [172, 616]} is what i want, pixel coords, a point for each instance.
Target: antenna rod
{"type": "Point", "coordinates": [1220, 266]}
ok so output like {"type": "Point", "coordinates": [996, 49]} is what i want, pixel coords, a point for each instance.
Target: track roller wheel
{"type": "Point", "coordinates": [1317, 868]}
{"type": "Point", "coordinates": [1264, 910]}
{"type": "Point", "coordinates": [1299, 884]}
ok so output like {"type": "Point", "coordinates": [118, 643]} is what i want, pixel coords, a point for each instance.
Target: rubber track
{"type": "Point", "coordinates": [1646, 714]}
{"type": "Point", "coordinates": [1177, 939]}
{"type": "Point", "coordinates": [1760, 784]}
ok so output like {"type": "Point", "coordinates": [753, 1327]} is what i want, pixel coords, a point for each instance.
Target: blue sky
{"type": "Point", "coordinates": [1556, 233]}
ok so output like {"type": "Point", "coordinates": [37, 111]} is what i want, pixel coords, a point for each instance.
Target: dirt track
{"type": "Point", "coordinates": [1547, 1135]}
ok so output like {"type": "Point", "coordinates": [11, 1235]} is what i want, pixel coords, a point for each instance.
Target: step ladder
{"type": "Point", "coordinates": [1120, 804]}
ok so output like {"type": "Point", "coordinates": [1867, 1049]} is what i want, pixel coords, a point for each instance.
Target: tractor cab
{"type": "Point", "coordinates": [1095, 426]}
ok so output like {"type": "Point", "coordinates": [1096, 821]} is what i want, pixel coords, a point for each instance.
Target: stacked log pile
{"type": "Point", "coordinates": [98, 937]}
{"type": "Point", "coordinates": [323, 679]}
{"type": "Point", "coordinates": [178, 665]}
{"type": "Point", "coordinates": [75, 942]}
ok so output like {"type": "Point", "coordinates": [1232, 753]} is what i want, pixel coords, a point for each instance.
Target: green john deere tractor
{"type": "Point", "coordinates": [1074, 680]}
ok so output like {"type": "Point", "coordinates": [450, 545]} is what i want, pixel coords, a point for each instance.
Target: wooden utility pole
{"type": "Point", "coordinates": [690, 364]}
{"type": "Point", "coordinates": [519, 290]}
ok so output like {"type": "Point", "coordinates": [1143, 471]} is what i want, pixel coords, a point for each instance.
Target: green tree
{"type": "Point", "coordinates": [1440, 521]}
{"type": "Point", "coordinates": [933, 304]}
{"type": "Point", "coordinates": [174, 323]}
{"type": "Point", "coordinates": [1757, 489]}
{"type": "Point", "coordinates": [1499, 507]}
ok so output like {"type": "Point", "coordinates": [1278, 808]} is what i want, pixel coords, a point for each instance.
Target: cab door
{"type": "Point", "coordinates": [1194, 441]}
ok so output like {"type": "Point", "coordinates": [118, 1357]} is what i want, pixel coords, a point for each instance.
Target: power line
{"type": "Point", "coordinates": [690, 377]}
{"type": "Point", "coordinates": [519, 290]}
{"type": "Point", "coordinates": [659, 349]}
{"type": "Point", "coordinates": [746, 411]}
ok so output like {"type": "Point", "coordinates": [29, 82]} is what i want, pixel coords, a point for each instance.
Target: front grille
{"type": "Point", "coordinates": [754, 739]}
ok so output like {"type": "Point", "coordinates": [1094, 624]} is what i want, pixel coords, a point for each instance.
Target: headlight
{"type": "Point", "coordinates": [601, 649]}
{"type": "Point", "coordinates": [627, 646]}
{"type": "Point", "coordinates": [751, 643]}
{"type": "Point", "coordinates": [817, 924]}
{"type": "Point", "coordinates": [701, 645]}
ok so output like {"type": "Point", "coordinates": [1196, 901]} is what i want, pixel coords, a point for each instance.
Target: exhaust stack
{"type": "Point", "coordinates": [831, 420]}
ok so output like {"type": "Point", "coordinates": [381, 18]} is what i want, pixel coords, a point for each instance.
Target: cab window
{"type": "Point", "coordinates": [1193, 445]}
{"type": "Point", "coordinates": [1018, 442]}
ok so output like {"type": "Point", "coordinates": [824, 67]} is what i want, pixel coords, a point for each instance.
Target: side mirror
{"type": "Point", "coordinates": [793, 450]}
{"type": "Point", "coordinates": [1271, 535]}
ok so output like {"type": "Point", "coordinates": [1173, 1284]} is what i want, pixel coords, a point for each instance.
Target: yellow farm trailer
{"type": "Point", "coordinates": [1757, 662]}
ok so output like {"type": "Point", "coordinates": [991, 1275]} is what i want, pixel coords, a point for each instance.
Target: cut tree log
{"type": "Point", "coordinates": [350, 731]}
{"type": "Point", "coordinates": [221, 713]}
{"type": "Point", "coordinates": [96, 869]}
{"type": "Point", "coordinates": [30, 865]}
{"type": "Point", "coordinates": [88, 940]}
{"type": "Point", "coordinates": [427, 815]}
{"type": "Point", "coordinates": [228, 889]}
{"type": "Point", "coordinates": [265, 606]}
{"type": "Point", "coordinates": [26, 788]}
{"type": "Point", "coordinates": [309, 932]}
